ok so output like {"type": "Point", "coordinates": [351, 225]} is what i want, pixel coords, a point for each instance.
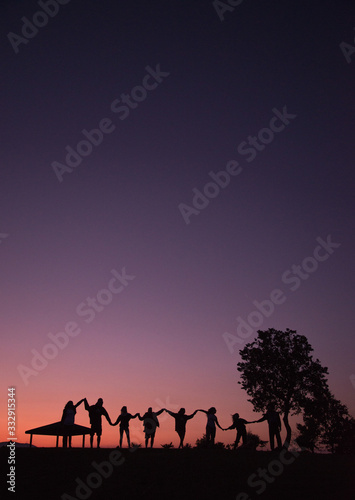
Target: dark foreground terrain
{"type": "Point", "coordinates": [50, 473]}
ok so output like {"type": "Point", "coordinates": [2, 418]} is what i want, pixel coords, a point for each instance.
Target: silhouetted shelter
{"type": "Point", "coordinates": [58, 429]}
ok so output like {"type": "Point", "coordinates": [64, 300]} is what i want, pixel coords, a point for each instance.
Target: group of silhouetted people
{"type": "Point", "coordinates": [151, 422]}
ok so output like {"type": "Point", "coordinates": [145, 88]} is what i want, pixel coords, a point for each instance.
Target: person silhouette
{"type": "Point", "coordinates": [67, 420]}
{"type": "Point", "coordinates": [180, 423]}
{"type": "Point", "coordinates": [212, 421]}
{"type": "Point", "coordinates": [239, 425]}
{"type": "Point", "coordinates": [96, 411]}
{"type": "Point", "coordinates": [274, 422]}
{"type": "Point", "coordinates": [124, 419]}
{"type": "Point", "coordinates": [150, 423]}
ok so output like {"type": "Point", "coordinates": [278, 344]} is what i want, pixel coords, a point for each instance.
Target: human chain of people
{"type": "Point", "coordinates": [151, 423]}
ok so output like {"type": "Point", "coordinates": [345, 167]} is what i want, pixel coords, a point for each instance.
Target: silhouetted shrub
{"type": "Point", "coordinates": [167, 446]}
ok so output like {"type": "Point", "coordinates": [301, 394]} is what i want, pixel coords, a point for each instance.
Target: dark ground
{"type": "Point", "coordinates": [49, 473]}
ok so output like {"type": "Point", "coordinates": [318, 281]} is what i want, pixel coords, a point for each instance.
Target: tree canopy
{"type": "Point", "coordinates": [278, 368]}
{"type": "Point", "coordinates": [327, 423]}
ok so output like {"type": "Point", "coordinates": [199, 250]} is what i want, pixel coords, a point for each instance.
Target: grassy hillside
{"type": "Point", "coordinates": [106, 474]}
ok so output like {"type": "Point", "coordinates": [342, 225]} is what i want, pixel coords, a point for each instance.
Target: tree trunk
{"type": "Point", "coordinates": [288, 430]}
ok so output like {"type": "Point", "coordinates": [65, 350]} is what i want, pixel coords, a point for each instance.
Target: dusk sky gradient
{"type": "Point", "coordinates": [159, 342]}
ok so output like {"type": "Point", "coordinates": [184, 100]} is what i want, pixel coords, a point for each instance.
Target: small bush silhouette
{"type": "Point", "coordinates": [202, 443]}
{"type": "Point", "coordinates": [167, 446]}
{"type": "Point", "coordinates": [253, 441]}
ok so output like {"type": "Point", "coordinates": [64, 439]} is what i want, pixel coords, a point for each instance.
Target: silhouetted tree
{"type": "Point", "coordinates": [346, 441]}
{"type": "Point", "coordinates": [308, 436]}
{"type": "Point", "coordinates": [335, 424]}
{"type": "Point", "coordinates": [326, 421]}
{"type": "Point", "coordinates": [278, 368]}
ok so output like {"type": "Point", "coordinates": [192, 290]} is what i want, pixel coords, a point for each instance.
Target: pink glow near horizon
{"type": "Point", "coordinates": [138, 297]}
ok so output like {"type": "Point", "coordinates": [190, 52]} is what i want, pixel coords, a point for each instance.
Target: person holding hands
{"type": "Point", "coordinates": [180, 423]}
{"type": "Point", "coordinates": [123, 419]}
{"type": "Point", "coordinates": [212, 421]}
{"type": "Point", "coordinates": [239, 425]}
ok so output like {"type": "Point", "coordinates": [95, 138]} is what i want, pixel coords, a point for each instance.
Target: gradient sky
{"type": "Point", "coordinates": [160, 341]}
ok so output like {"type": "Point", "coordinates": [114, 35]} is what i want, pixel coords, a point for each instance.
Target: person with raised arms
{"type": "Point", "coordinates": [96, 411]}
{"type": "Point", "coordinates": [180, 423]}
{"type": "Point", "coordinates": [68, 418]}
{"type": "Point", "coordinates": [150, 423]}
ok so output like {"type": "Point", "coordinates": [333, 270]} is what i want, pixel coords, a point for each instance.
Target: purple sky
{"type": "Point", "coordinates": [222, 83]}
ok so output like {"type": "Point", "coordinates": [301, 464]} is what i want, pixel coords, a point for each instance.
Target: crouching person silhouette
{"type": "Point", "coordinates": [239, 425]}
